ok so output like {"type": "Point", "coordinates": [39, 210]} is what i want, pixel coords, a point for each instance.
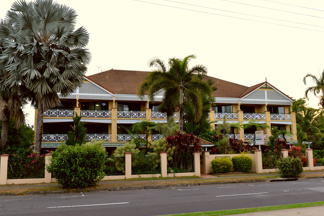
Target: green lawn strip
{"type": "Point", "coordinates": [251, 210]}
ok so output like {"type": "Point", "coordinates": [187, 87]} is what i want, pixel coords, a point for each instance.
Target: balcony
{"type": "Point", "coordinates": [163, 115]}
{"type": "Point", "coordinates": [277, 116]}
{"type": "Point", "coordinates": [287, 137]}
{"type": "Point", "coordinates": [249, 136]}
{"type": "Point", "coordinates": [254, 116]}
{"type": "Point", "coordinates": [128, 137]}
{"type": "Point", "coordinates": [231, 136]}
{"type": "Point", "coordinates": [59, 113]}
{"type": "Point", "coordinates": [157, 136]}
{"type": "Point", "coordinates": [96, 113]}
{"type": "Point", "coordinates": [63, 137]}
{"type": "Point", "coordinates": [227, 115]}
{"type": "Point", "coordinates": [131, 114]}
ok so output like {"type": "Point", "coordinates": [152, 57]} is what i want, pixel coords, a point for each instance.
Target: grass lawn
{"type": "Point", "coordinates": [251, 210]}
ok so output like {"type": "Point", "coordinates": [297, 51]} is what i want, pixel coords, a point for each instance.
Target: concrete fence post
{"type": "Point", "coordinates": [4, 169]}
{"type": "Point", "coordinates": [48, 175]}
{"type": "Point", "coordinates": [284, 153]}
{"type": "Point", "coordinates": [205, 159]}
{"type": "Point", "coordinates": [258, 161]}
{"type": "Point", "coordinates": [197, 163]}
{"type": "Point", "coordinates": [164, 164]}
{"type": "Point", "coordinates": [128, 165]}
{"type": "Point", "coordinates": [310, 160]}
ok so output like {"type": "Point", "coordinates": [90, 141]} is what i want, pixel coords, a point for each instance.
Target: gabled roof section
{"type": "Point", "coordinates": [98, 85]}
{"type": "Point", "coordinates": [121, 81]}
{"type": "Point", "coordinates": [251, 89]}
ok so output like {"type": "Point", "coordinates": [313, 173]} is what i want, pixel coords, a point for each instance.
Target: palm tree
{"type": "Point", "coordinates": [144, 127]}
{"type": "Point", "coordinates": [11, 99]}
{"type": "Point", "coordinates": [256, 125]}
{"type": "Point", "coordinates": [48, 56]}
{"type": "Point", "coordinates": [318, 88]}
{"type": "Point", "coordinates": [180, 83]}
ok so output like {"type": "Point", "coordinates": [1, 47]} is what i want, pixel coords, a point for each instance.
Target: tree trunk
{"type": "Point", "coordinates": [181, 111]}
{"type": "Point", "coordinates": [39, 130]}
{"type": "Point", "coordinates": [4, 129]}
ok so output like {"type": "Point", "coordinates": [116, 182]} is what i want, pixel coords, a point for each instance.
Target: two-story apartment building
{"type": "Point", "coordinates": [108, 104]}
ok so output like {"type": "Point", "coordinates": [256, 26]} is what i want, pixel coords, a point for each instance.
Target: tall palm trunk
{"type": "Point", "coordinates": [4, 128]}
{"type": "Point", "coordinates": [39, 129]}
{"type": "Point", "coordinates": [181, 110]}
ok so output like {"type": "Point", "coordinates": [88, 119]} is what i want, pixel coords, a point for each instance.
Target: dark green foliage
{"type": "Point", "coordinates": [110, 167]}
{"type": "Point", "coordinates": [270, 160]}
{"type": "Point", "coordinates": [222, 165]}
{"type": "Point", "coordinates": [223, 146]}
{"type": "Point", "coordinates": [22, 163]}
{"type": "Point", "coordinates": [242, 163]}
{"type": "Point", "coordinates": [78, 166]}
{"type": "Point", "coordinates": [78, 133]}
{"type": "Point", "coordinates": [290, 167]}
{"type": "Point", "coordinates": [146, 164]}
{"type": "Point", "coordinates": [318, 154]}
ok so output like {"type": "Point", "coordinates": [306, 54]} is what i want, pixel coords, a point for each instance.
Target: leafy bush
{"type": "Point", "coordinates": [223, 146]}
{"type": "Point", "coordinates": [318, 154]}
{"type": "Point", "coordinates": [242, 163]}
{"type": "Point", "coordinates": [119, 155]}
{"type": "Point", "coordinates": [146, 164]}
{"type": "Point", "coordinates": [296, 152]}
{"type": "Point", "coordinates": [78, 166]}
{"type": "Point", "coordinates": [222, 165]}
{"type": "Point", "coordinates": [270, 160]}
{"type": "Point", "coordinates": [290, 167]}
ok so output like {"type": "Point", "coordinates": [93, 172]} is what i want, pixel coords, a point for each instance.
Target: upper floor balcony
{"type": "Point", "coordinates": [227, 115]}
{"type": "Point", "coordinates": [96, 113]}
{"type": "Point", "coordinates": [59, 113]}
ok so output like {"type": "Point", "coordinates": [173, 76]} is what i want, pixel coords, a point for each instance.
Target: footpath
{"type": "Point", "coordinates": [136, 184]}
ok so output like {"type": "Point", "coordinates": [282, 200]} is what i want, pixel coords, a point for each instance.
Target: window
{"type": "Point", "coordinates": [223, 108]}
{"type": "Point", "coordinates": [65, 105]}
{"type": "Point", "coordinates": [128, 106]}
{"type": "Point", "coordinates": [94, 106]}
{"type": "Point", "coordinates": [276, 109]}
{"type": "Point", "coordinates": [247, 109]}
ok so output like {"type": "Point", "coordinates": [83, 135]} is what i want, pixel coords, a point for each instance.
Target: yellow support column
{"type": "Point", "coordinates": [114, 121]}
{"type": "Point", "coordinates": [268, 122]}
{"type": "Point", "coordinates": [241, 121]}
{"type": "Point", "coordinates": [294, 125]}
{"type": "Point", "coordinates": [212, 119]}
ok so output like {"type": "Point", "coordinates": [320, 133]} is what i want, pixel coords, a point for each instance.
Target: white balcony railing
{"type": "Point", "coordinates": [254, 116]}
{"type": "Point", "coordinates": [288, 137]}
{"type": "Point", "coordinates": [156, 136]}
{"type": "Point", "coordinates": [96, 113]}
{"type": "Point", "coordinates": [158, 115]}
{"type": "Point", "coordinates": [228, 115]}
{"type": "Point", "coordinates": [54, 137]}
{"type": "Point", "coordinates": [249, 136]}
{"type": "Point", "coordinates": [277, 116]}
{"type": "Point", "coordinates": [59, 113]}
{"type": "Point", "coordinates": [131, 114]}
{"type": "Point", "coordinates": [105, 137]}
{"type": "Point", "coordinates": [127, 137]}
{"type": "Point", "coordinates": [231, 136]}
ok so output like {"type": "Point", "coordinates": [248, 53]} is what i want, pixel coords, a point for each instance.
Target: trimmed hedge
{"type": "Point", "coordinates": [290, 167]}
{"type": "Point", "coordinates": [78, 166]}
{"type": "Point", "coordinates": [242, 163]}
{"type": "Point", "coordinates": [222, 165]}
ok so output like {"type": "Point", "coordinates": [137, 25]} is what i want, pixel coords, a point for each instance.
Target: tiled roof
{"type": "Point", "coordinates": [126, 82]}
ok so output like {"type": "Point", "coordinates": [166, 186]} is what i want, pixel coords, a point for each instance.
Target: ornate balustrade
{"type": "Point", "coordinates": [158, 115]}
{"type": "Point", "coordinates": [254, 116]}
{"type": "Point", "coordinates": [231, 136]}
{"type": "Point", "coordinates": [59, 113]}
{"type": "Point", "coordinates": [277, 116]}
{"type": "Point", "coordinates": [288, 137]}
{"type": "Point", "coordinates": [105, 137]}
{"type": "Point", "coordinates": [131, 114]}
{"type": "Point", "coordinates": [228, 115]}
{"type": "Point", "coordinates": [156, 136]}
{"type": "Point", "coordinates": [96, 113]}
{"type": "Point", "coordinates": [248, 136]}
{"type": "Point", "coordinates": [128, 137]}
{"type": "Point", "coordinates": [54, 137]}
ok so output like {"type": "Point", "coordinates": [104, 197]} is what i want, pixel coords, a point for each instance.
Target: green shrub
{"type": "Point", "coordinates": [224, 146]}
{"type": "Point", "coordinates": [146, 164]}
{"type": "Point", "coordinates": [318, 154]}
{"type": "Point", "coordinates": [290, 167]}
{"type": "Point", "coordinates": [119, 155]}
{"type": "Point", "coordinates": [78, 166]}
{"type": "Point", "coordinates": [270, 160]}
{"type": "Point", "coordinates": [242, 163]}
{"type": "Point", "coordinates": [221, 165]}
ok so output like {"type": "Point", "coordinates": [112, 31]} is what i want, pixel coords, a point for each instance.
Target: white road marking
{"type": "Point", "coordinates": [89, 205]}
{"type": "Point", "coordinates": [286, 191]}
{"type": "Point", "coordinates": [246, 194]}
{"type": "Point", "coordinates": [187, 189]}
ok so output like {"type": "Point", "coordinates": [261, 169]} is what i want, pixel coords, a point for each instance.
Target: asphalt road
{"type": "Point", "coordinates": [166, 201]}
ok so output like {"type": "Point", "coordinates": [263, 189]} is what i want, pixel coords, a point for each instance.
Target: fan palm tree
{"type": "Point", "coordinates": [144, 127]}
{"type": "Point", "coordinates": [255, 125]}
{"type": "Point", "coordinates": [318, 89]}
{"type": "Point", "coordinates": [48, 55]}
{"type": "Point", "coordinates": [180, 84]}
{"type": "Point", "coordinates": [11, 99]}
